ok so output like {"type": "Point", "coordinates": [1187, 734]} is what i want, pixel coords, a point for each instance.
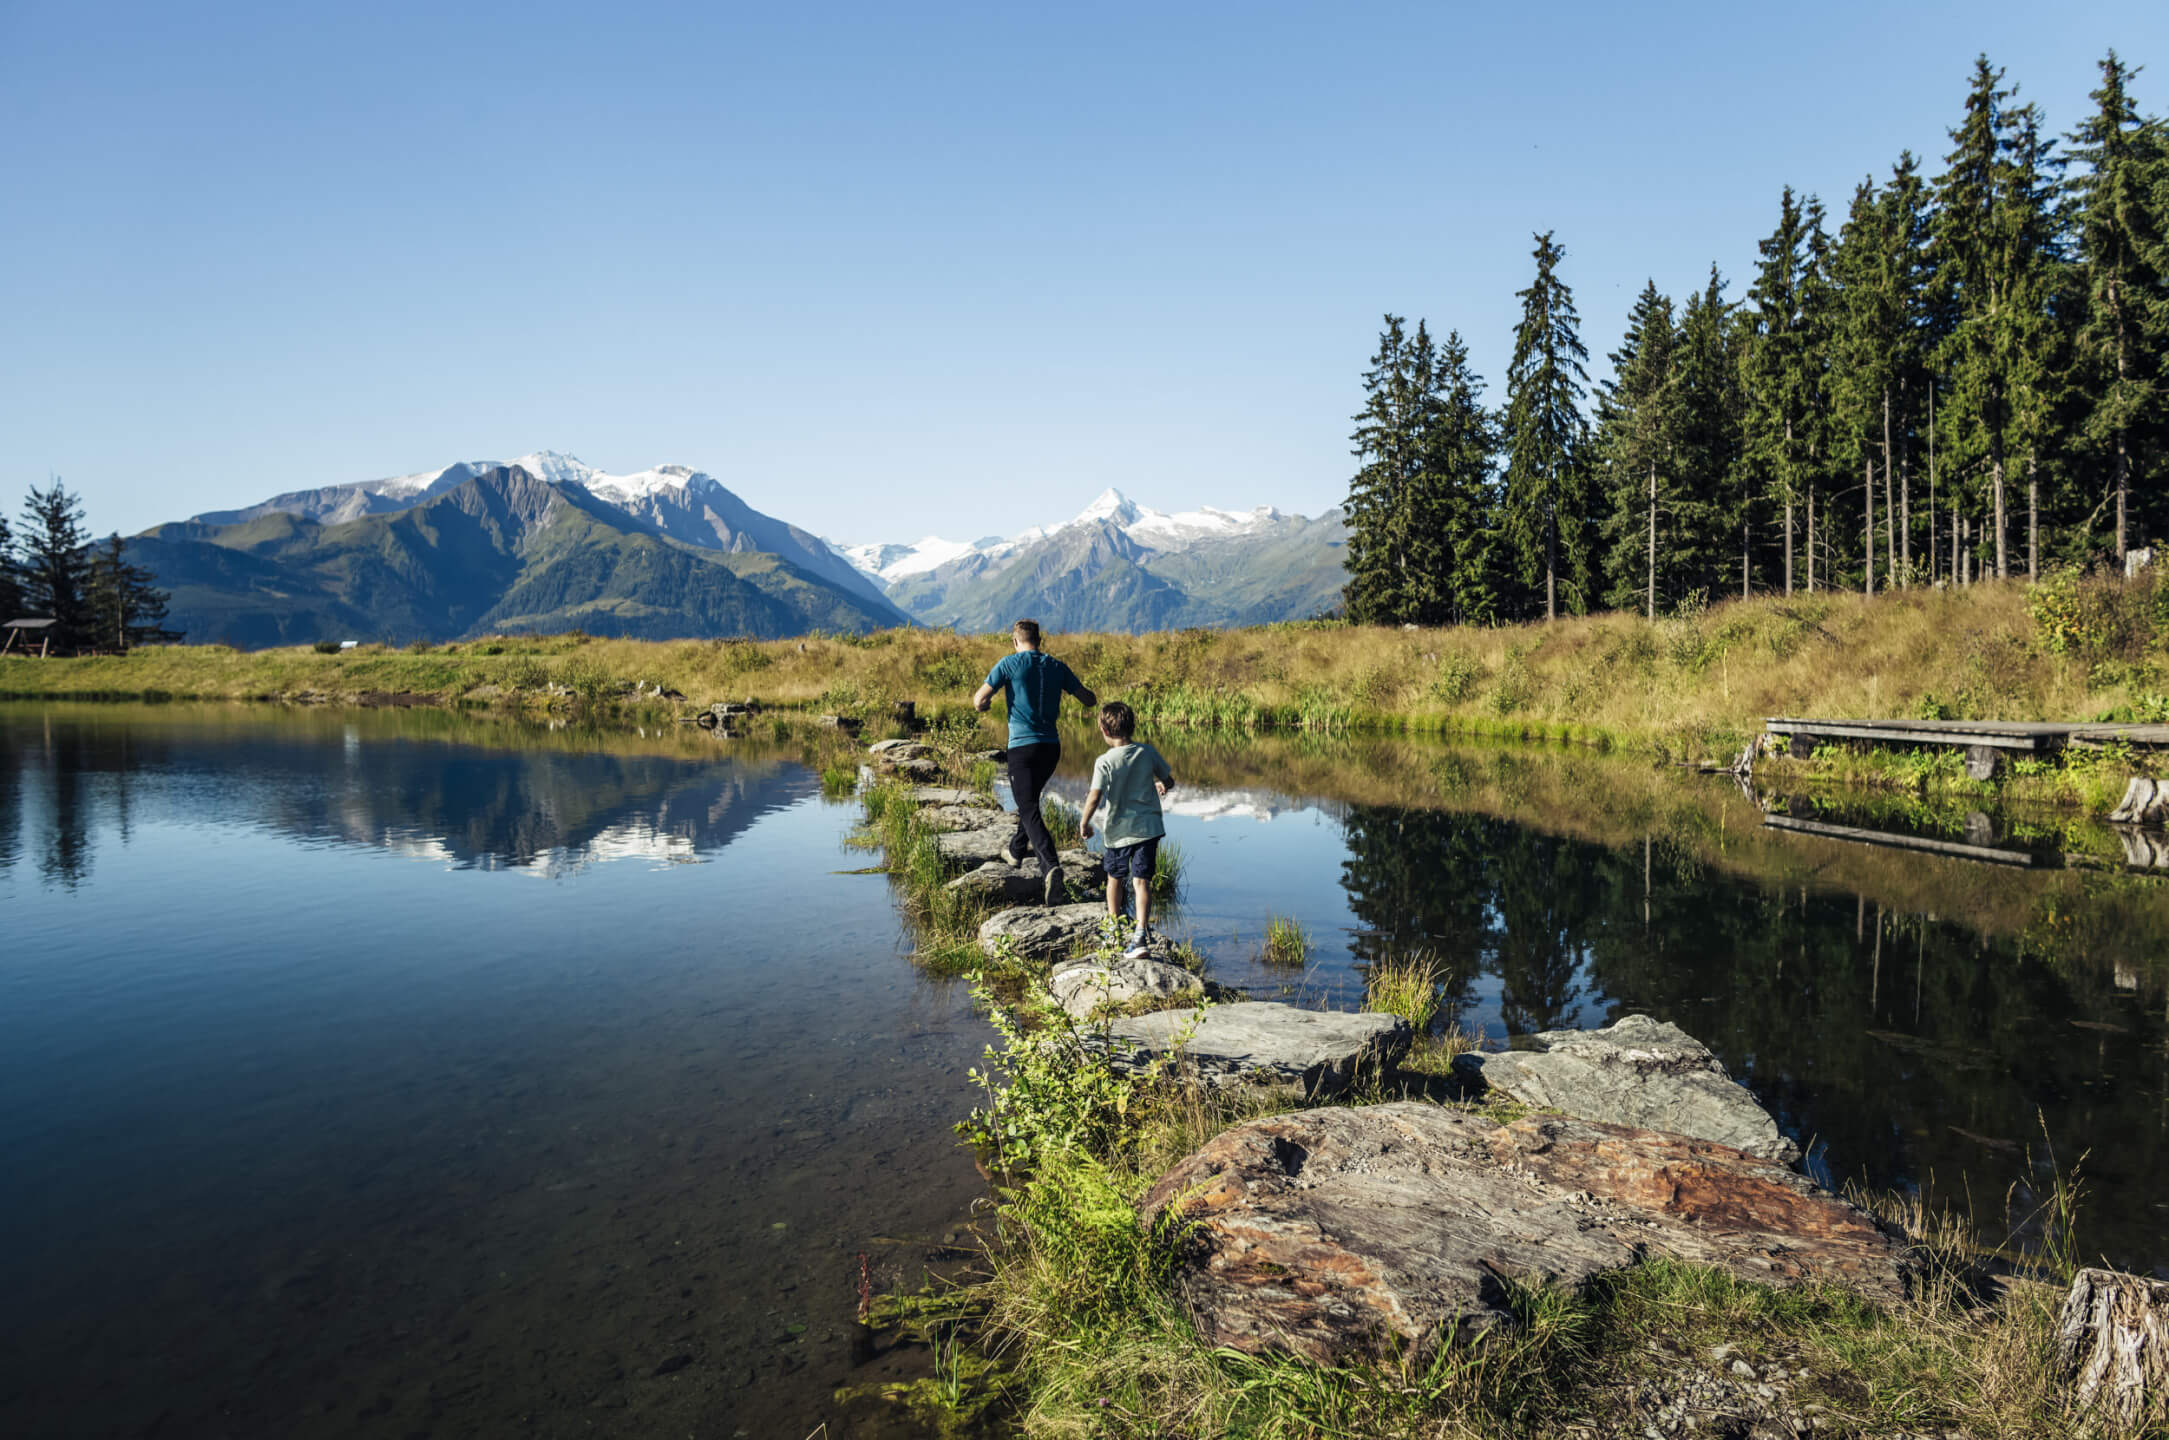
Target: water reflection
{"type": "Point", "coordinates": [70, 785]}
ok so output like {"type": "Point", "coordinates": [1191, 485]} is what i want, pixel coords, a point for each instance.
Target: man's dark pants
{"type": "Point", "coordinates": [1030, 768]}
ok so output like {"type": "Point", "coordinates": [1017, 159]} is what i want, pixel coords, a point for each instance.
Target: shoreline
{"type": "Point", "coordinates": [1081, 1306]}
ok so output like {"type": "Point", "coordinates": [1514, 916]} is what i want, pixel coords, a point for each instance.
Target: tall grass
{"type": "Point", "coordinates": [1286, 943]}
{"type": "Point", "coordinates": [1696, 684]}
{"type": "Point", "coordinates": [1405, 985]}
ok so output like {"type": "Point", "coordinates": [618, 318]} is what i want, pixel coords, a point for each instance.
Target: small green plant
{"type": "Point", "coordinates": [1405, 985]}
{"type": "Point", "coordinates": [326, 647]}
{"type": "Point", "coordinates": [1167, 863]}
{"type": "Point", "coordinates": [1046, 1090]}
{"type": "Point", "coordinates": [1457, 679]}
{"type": "Point", "coordinates": [838, 781]}
{"type": "Point", "coordinates": [1285, 942]}
{"type": "Point", "coordinates": [1061, 823]}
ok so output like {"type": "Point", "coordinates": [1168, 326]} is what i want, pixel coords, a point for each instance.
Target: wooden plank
{"type": "Point", "coordinates": [1993, 856]}
{"type": "Point", "coordinates": [1898, 733]}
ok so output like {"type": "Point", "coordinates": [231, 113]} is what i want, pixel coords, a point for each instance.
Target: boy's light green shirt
{"type": "Point", "coordinates": [1124, 777]}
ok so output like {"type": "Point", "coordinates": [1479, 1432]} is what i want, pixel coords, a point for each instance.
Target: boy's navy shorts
{"type": "Point", "coordinates": [1133, 862]}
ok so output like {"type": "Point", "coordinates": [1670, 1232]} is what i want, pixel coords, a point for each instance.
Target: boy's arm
{"type": "Point", "coordinates": [1163, 774]}
{"type": "Point", "coordinates": [1084, 822]}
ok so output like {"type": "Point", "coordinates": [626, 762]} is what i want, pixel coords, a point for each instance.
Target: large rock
{"type": "Point", "coordinates": [1001, 883]}
{"type": "Point", "coordinates": [949, 819]}
{"type": "Point", "coordinates": [1639, 1072]}
{"type": "Point", "coordinates": [1388, 1229]}
{"type": "Point", "coordinates": [1082, 989]}
{"type": "Point", "coordinates": [1044, 932]}
{"type": "Point", "coordinates": [894, 750]}
{"type": "Point", "coordinates": [1324, 1051]}
{"type": "Point", "coordinates": [972, 848]}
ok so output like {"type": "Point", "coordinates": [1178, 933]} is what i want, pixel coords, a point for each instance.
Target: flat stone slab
{"type": "Point", "coordinates": [1081, 989]}
{"type": "Point", "coordinates": [1640, 1072]}
{"type": "Point", "coordinates": [1382, 1230]}
{"type": "Point", "coordinates": [1002, 883]}
{"type": "Point", "coordinates": [893, 750]}
{"type": "Point", "coordinates": [1044, 932]}
{"type": "Point", "coordinates": [951, 819]}
{"type": "Point", "coordinates": [1324, 1051]}
{"type": "Point", "coordinates": [988, 841]}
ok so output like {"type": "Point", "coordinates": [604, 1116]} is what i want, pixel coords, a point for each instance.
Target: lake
{"type": "Point", "coordinates": [399, 1073]}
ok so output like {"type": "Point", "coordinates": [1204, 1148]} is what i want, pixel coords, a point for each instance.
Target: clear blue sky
{"type": "Point", "coordinates": [884, 269]}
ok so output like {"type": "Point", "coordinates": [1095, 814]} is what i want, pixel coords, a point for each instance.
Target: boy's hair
{"type": "Point", "coordinates": [1118, 720]}
{"type": "Point", "coordinates": [1027, 631]}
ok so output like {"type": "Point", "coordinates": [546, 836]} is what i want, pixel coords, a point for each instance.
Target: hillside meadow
{"type": "Point", "coordinates": [1692, 687]}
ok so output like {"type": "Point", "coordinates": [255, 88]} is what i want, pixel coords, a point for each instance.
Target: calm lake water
{"type": "Point", "coordinates": [394, 1073]}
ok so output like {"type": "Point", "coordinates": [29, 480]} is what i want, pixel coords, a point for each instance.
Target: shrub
{"type": "Point", "coordinates": [326, 647]}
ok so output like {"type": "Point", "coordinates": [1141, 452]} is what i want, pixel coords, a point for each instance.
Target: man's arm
{"type": "Point", "coordinates": [1078, 688]}
{"type": "Point", "coordinates": [982, 697]}
{"type": "Point", "coordinates": [1084, 821]}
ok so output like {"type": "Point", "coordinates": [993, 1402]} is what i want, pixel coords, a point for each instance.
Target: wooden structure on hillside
{"type": "Point", "coordinates": [1987, 743]}
{"type": "Point", "coordinates": [26, 628]}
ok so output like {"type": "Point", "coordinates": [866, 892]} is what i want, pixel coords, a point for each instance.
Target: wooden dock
{"type": "Point", "coordinates": [1987, 743]}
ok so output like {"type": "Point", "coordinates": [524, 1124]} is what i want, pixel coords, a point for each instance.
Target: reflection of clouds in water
{"type": "Point", "coordinates": [633, 840]}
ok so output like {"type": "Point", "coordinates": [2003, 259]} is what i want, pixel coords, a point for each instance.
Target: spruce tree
{"type": "Point", "coordinates": [1380, 508]}
{"type": "Point", "coordinates": [2123, 247]}
{"type": "Point", "coordinates": [1778, 368]}
{"type": "Point", "coordinates": [1459, 445]}
{"type": "Point", "coordinates": [1545, 518]}
{"type": "Point", "coordinates": [54, 561]}
{"type": "Point", "coordinates": [1639, 429]}
{"type": "Point", "coordinates": [11, 590]}
{"type": "Point", "coordinates": [1709, 509]}
{"type": "Point", "coordinates": [122, 603]}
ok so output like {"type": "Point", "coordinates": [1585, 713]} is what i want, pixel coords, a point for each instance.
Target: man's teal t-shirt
{"type": "Point", "coordinates": [1034, 682]}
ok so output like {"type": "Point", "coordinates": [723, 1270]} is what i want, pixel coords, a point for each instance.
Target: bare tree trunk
{"type": "Point", "coordinates": [1931, 479]}
{"type": "Point", "coordinates": [1867, 511]}
{"type": "Point", "coordinates": [1652, 539]}
{"type": "Point", "coordinates": [2003, 563]}
{"type": "Point", "coordinates": [2123, 453]}
{"type": "Point", "coordinates": [1551, 563]}
{"type": "Point", "coordinates": [1747, 546]}
{"type": "Point", "coordinates": [1905, 499]}
{"type": "Point", "coordinates": [1890, 512]}
{"type": "Point", "coordinates": [2033, 519]}
{"type": "Point", "coordinates": [2112, 1336]}
{"type": "Point", "coordinates": [1811, 540]}
{"type": "Point", "coordinates": [1788, 506]}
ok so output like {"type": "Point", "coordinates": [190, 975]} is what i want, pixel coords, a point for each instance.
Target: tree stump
{"type": "Point", "coordinates": [1800, 746]}
{"type": "Point", "coordinates": [1983, 761]}
{"type": "Point", "coordinates": [2113, 1337]}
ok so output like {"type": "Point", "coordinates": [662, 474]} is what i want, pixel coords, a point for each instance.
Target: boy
{"type": "Point", "coordinates": [1131, 777]}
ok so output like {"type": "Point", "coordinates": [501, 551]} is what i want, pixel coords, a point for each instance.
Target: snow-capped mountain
{"type": "Point", "coordinates": [685, 504]}
{"type": "Point", "coordinates": [1120, 565]}
{"type": "Point", "coordinates": [1153, 529]}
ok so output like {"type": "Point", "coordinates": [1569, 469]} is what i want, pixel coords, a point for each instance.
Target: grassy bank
{"type": "Point", "coordinates": [1074, 1327]}
{"type": "Point", "coordinates": [1689, 687]}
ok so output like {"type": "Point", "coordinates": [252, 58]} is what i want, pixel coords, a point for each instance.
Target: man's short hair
{"type": "Point", "coordinates": [1027, 631]}
{"type": "Point", "coordinates": [1118, 720]}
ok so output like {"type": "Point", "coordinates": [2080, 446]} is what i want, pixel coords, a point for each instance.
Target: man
{"type": "Point", "coordinates": [1033, 683]}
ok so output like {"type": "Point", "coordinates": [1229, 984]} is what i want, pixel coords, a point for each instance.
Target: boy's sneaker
{"type": "Point", "coordinates": [1140, 945]}
{"type": "Point", "coordinates": [1057, 891]}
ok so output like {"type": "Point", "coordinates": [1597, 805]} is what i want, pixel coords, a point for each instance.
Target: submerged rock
{"type": "Point", "coordinates": [1639, 1072]}
{"type": "Point", "coordinates": [1341, 1233]}
{"type": "Point", "coordinates": [1324, 1051]}
{"type": "Point", "coordinates": [1082, 988]}
{"type": "Point", "coordinates": [1002, 883]}
{"type": "Point", "coordinates": [945, 795]}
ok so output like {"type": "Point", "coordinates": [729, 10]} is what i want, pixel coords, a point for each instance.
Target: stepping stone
{"type": "Point", "coordinates": [972, 848]}
{"type": "Point", "coordinates": [1324, 1051]}
{"type": "Point", "coordinates": [1044, 932]}
{"type": "Point", "coordinates": [953, 795]}
{"type": "Point", "coordinates": [1639, 1072]}
{"type": "Point", "coordinates": [1081, 989]}
{"type": "Point", "coordinates": [1001, 883]}
{"type": "Point", "coordinates": [1384, 1231]}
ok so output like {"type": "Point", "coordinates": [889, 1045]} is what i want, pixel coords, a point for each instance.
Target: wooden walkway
{"type": "Point", "coordinates": [1987, 743]}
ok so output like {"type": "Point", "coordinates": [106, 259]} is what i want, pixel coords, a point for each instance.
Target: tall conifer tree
{"type": "Point", "coordinates": [1544, 494]}
{"type": "Point", "coordinates": [54, 561]}
{"type": "Point", "coordinates": [2123, 243]}
{"type": "Point", "coordinates": [1639, 429]}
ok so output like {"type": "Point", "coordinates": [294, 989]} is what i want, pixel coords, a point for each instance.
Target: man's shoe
{"type": "Point", "coordinates": [1057, 891]}
{"type": "Point", "coordinates": [1018, 848]}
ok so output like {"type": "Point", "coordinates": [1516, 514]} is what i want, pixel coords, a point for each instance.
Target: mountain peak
{"type": "Point", "coordinates": [1110, 504]}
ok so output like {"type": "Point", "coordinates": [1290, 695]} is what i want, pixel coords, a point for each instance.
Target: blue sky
{"type": "Point", "coordinates": [884, 270]}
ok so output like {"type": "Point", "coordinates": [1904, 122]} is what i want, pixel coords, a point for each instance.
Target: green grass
{"type": "Point", "coordinates": [1285, 942]}
{"type": "Point", "coordinates": [1167, 866]}
{"type": "Point", "coordinates": [1405, 985]}
{"type": "Point", "coordinates": [1061, 823]}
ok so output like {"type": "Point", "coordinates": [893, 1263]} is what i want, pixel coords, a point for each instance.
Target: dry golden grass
{"type": "Point", "coordinates": [1681, 686]}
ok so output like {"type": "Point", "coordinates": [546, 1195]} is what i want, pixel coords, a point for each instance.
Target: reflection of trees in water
{"type": "Point", "coordinates": [472, 806]}
{"type": "Point", "coordinates": [1905, 1045]}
